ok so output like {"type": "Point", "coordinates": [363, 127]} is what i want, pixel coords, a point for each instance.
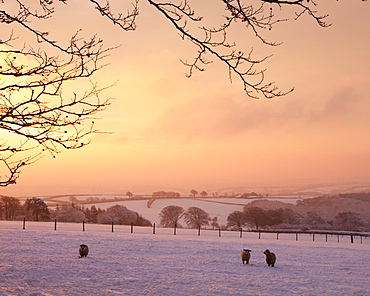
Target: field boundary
{"type": "Point", "coordinates": [313, 233]}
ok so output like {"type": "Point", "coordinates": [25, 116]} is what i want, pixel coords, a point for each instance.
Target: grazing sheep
{"type": "Point", "coordinates": [270, 258]}
{"type": "Point", "coordinates": [84, 250]}
{"type": "Point", "coordinates": [246, 255]}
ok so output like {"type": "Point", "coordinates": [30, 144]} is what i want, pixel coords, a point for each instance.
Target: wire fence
{"type": "Point", "coordinates": [297, 235]}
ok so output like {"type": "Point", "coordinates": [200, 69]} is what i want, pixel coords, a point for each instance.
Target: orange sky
{"type": "Point", "coordinates": [204, 133]}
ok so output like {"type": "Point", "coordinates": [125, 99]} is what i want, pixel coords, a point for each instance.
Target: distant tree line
{"type": "Point", "coordinates": [195, 193]}
{"type": "Point", "coordinates": [356, 196]}
{"type": "Point", "coordinates": [166, 194]}
{"type": "Point", "coordinates": [32, 209]}
{"type": "Point", "coordinates": [194, 217]}
{"type": "Point", "coordinates": [116, 214]}
{"type": "Point", "coordinates": [285, 218]}
{"type": "Point", "coordinates": [329, 212]}
{"type": "Point", "coordinates": [203, 193]}
{"type": "Point", "coordinates": [35, 209]}
{"type": "Point", "coordinates": [321, 213]}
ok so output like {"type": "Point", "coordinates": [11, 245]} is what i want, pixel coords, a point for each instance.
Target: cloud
{"type": "Point", "coordinates": [343, 99]}
{"type": "Point", "coordinates": [225, 116]}
{"type": "Point", "coordinates": [212, 118]}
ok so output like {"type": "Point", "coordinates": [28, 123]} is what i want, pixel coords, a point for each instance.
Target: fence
{"type": "Point", "coordinates": [340, 235]}
{"type": "Point", "coordinates": [313, 233]}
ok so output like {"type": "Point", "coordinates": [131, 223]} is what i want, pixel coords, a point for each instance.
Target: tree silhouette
{"type": "Point", "coordinates": [117, 214]}
{"type": "Point", "coordinates": [93, 215]}
{"type": "Point", "coordinates": [313, 219]}
{"type": "Point", "coordinates": [214, 223]}
{"type": "Point", "coordinates": [256, 217]}
{"type": "Point", "coordinates": [39, 112]}
{"type": "Point", "coordinates": [67, 213]}
{"type": "Point", "coordinates": [37, 208]}
{"type": "Point", "coordinates": [350, 221]}
{"type": "Point", "coordinates": [196, 217]}
{"type": "Point", "coordinates": [141, 221]}
{"type": "Point", "coordinates": [203, 194]}
{"type": "Point", "coordinates": [193, 192]}
{"type": "Point", "coordinates": [9, 206]}
{"type": "Point", "coordinates": [236, 219]}
{"type": "Point", "coordinates": [170, 216]}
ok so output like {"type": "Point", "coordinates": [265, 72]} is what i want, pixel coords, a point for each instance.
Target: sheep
{"type": "Point", "coordinates": [270, 258]}
{"type": "Point", "coordinates": [245, 255]}
{"type": "Point", "coordinates": [83, 250]}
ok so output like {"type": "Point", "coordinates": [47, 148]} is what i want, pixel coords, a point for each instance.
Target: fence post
{"type": "Point", "coordinates": [326, 237]}
{"type": "Point", "coordinates": [219, 232]}
{"type": "Point", "coordinates": [352, 238]}
{"type": "Point", "coordinates": [198, 230]}
{"type": "Point", "coordinates": [296, 236]}
{"type": "Point", "coordinates": [24, 223]}
{"type": "Point", "coordinates": [83, 225]}
{"type": "Point", "coordinates": [174, 229]}
{"type": "Point", "coordinates": [277, 235]}
{"type": "Point", "coordinates": [338, 238]}
{"type": "Point", "coordinates": [153, 228]}
{"type": "Point", "coordinates": [132, 227]}
{"type": "Point", "coordinates": [241, 232]}
{"type": "Point", "coordinates": [361, 239]}
{"type": "Point", "coordinates": [55, 224]}
{"type": "Point", "coordinates": [112, 226]}
{"type": "Point", "coordinates": [313, 237]}
{"type": "Point", "coordinates": [259, 234]}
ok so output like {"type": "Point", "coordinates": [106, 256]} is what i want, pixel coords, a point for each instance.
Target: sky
{"type": "Point", "coordinates": [170, 132]}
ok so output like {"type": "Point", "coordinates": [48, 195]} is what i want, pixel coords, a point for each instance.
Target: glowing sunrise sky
{"type": "Point", "coordinates": [204, 133]}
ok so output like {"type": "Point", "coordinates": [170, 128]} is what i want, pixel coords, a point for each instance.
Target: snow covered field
{"type": "Point", "coordinates": [41, 261]}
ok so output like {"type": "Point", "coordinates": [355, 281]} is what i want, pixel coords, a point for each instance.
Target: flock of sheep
{"type": "Point", "coordinates": [245, 255]}
{"type": "Point", "coordinates": [270, 257]}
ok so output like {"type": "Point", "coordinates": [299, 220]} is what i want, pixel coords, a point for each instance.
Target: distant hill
{"type": "Point", "coordinates": [326, 206]}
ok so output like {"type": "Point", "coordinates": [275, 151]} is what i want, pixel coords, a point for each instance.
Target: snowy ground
{"type": "Point", "coordinates": [41, 261]}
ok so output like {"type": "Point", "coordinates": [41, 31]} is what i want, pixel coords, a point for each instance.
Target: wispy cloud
{"type": "Point", "coordinates": [224, 116]}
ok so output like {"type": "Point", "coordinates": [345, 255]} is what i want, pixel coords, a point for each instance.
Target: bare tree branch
{"type": "Point", "coordinates": [37, 115]}
{"type": "Point", "coordinates": [126, 22]}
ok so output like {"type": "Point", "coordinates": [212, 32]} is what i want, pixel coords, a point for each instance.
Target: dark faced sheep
{"type": "Point", "coordinates": [270, 258]}
{"type": "Point", "coordinates": [245, 255]}
{"type": "Point", "coordinates": [83, 250]}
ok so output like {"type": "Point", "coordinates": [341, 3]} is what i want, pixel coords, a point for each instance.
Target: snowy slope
{"type": "Point", "coordinates": [41, 261]}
